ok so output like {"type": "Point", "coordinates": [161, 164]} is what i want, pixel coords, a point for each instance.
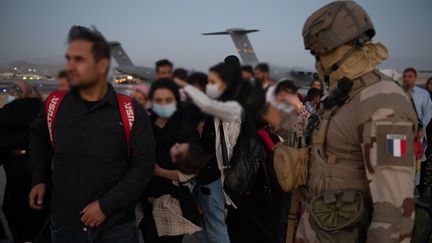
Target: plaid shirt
{"type": "Point", "coordinates": [302, 111]}
{"type": "Point", "coordinates": [169, 219]}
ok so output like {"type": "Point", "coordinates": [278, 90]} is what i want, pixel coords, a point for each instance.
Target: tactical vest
{"type": "Point", "coordinates": [327, 171]}
{"type": "Point", "coordinates": [336, 195]}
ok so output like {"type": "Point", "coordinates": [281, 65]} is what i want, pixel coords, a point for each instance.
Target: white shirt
{"type": "Point", "coordinates": [423, 104]}
{"type": "Point", "coordinates": [229, 112]}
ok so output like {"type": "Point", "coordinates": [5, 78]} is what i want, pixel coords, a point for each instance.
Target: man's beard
{"type": "Point", "coordinates": [83, 86]}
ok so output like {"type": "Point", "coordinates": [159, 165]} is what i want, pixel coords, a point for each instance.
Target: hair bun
{"type": "Point", "coordinates": [232, 61]}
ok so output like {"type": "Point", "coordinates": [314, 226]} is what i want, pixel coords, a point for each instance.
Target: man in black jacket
{"type": "Point", "coordinates": [95, 183]}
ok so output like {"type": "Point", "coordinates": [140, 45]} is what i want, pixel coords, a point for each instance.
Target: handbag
{"type": "Point", "coordinates": [241, 170]}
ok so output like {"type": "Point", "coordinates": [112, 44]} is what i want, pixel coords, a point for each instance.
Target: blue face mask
{"type": "Point", "coordinates": [10, 98]}
{"type": "Point", "coordinates": [165, 111]}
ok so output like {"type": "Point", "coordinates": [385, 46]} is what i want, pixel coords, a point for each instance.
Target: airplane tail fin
{"type": "Point", "coordinates": [242, 44]}
{"type": "Point", "coordinates": [119, 54]}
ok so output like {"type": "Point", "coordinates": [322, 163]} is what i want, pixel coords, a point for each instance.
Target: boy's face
{"type": "Point", "coordinates": [316, 100]}
{"type": "Point", "coordinates": [165, 71]}
{"type": "Point", "coordinates": [178, 150]}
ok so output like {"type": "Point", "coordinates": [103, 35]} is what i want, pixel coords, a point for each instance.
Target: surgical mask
{"type": "Point", "coordinates": [285, 107]}
{"type": "Point", "coordinates": [165, 111]}
{"type": "Point", "coordinates": [212, 91]}
{"type": "Point", "coordinates": [10, 98]}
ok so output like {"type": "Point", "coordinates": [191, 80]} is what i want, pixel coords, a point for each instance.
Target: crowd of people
{"type": "Point", "coordinates": [91, 165]}
{"type": "Point", "coordinates": [84, 178]}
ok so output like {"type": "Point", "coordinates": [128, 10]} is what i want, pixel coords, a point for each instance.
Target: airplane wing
{"type": "Point", "coordinates": [238, 31]}
{"type": "Point", "coordinates": [216, 33]}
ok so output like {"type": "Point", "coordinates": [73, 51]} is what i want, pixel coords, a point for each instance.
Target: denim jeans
{"type": "Point", "coordinates": [118, 233]}
{"type": "Point", "coordinates": [212, 200]}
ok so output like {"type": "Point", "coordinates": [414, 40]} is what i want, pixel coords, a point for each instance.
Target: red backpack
{"type": "Point", "coordinates": [125, 103]}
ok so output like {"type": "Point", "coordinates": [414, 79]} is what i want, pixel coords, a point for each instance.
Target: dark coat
{"type": "Point", "coordinates": [15, 120]}
{"type": "Point", "coordinates": [178, 129]}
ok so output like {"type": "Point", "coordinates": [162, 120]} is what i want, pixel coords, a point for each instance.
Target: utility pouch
{"type": "Point", "coordinates": [290, 165]}
{"type": "Point", "coordinates": [339, 216]}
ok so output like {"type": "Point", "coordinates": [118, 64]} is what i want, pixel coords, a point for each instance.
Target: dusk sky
{"type": "Point", "coordinates": [35, 30]}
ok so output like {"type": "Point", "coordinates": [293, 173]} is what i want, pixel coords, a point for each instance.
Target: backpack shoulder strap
{"type": "Point", "coordinates": [52, 104]}
{"type": "Point", "coordinates": [127, 113]}
{"type": "Point", "coordinates": [226, 161]}
{"type": "Point", "coordinates": [265, 137]}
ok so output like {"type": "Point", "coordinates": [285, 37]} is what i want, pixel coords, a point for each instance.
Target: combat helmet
{"type": "Point", "coordinates": [335, 24]}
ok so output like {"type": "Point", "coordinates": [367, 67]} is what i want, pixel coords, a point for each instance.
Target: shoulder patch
{"type": "Point", "coordinates": [395, 143]}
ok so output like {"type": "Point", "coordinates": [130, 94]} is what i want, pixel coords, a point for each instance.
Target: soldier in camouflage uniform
{"type": "Point", "coordinates": [361, 161]}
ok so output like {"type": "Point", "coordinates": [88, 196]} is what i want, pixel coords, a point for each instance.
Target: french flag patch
{"type": "Point", "coordinates": [396, 145]}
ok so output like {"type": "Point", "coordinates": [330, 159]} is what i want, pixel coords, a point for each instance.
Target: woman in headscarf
{"type": "Point", "coordinates": [168, 201]}
{"type": "Point", "coordinates": [24, 103]}
{"type": "Point", "coordinates": [224, 112]}
{"type": "Point", "coordinates": [228, 103]}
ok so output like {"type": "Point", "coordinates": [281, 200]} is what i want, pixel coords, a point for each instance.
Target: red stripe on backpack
{"type": "Point", "coordinates": [52, 104]}
{"type": "Point", "coordinates": [127, 113]}
{"type": "Point", "coordinates": [265, 136]}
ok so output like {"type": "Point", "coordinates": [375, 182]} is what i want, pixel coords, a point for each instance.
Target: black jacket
{"type": "Point", "coordinates": [15, 120]}
{"type": "Point", "coordinates": [178, 129]}
{"type": "Point", "coordinates": [210, 173]}
{"type": "Point", "coordinates": [90, 161]}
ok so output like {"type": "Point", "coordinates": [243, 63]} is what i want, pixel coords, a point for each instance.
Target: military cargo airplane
{"type": "Point", "coordinates": [126, 66]}
{"type": "Point", "coordinates": [247, 54]}
{"type": "Point", "coordinates": [302, 77]}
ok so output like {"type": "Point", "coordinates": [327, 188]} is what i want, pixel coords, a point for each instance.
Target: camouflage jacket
{"type": "Point", "coordinates": [368, 146]}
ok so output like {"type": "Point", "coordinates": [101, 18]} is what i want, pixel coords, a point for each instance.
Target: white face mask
{"type": "Point", "coordinates": [212, 91]}
{"type": "Point", "coordinates": [285, 107]}
{"type": "Point", "coordinates": [10, 98]}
